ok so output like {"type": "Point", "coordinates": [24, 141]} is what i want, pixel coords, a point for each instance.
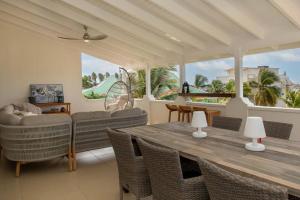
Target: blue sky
{"type": "Point", "coordinates": [286, 60]}
{"type": "Point", "coordinates": [92, 64]}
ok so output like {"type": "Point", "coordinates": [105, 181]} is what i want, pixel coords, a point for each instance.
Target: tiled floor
{"type": "Point", "coordinates": [95, 178]}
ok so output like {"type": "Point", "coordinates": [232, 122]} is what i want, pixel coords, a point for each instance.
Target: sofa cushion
{"type": "Point", "coordinates": [9, 109]}
{"type": "Point", "coordinates": [127, 113]}
{"type": "Point", "coordinates": [45, 119]}
{"type": "Point", "coordinates": [91, 115]}
{"type": "Point", "coordinates": [28, 107]}
{"type": "Point", "coordinates": [9, 119]}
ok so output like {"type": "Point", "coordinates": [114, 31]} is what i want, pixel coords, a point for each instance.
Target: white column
{"type": "Point", "coordinates": [148, 83]}
{"type": "Point", "coordinates": [181, 100]}
{"type": "Point", "coordinates": [238, 63]}
{"type": "Point", "coordinates": [181, 74]}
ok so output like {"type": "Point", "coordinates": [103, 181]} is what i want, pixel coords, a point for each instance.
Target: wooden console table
{"type": "Point", "coordinates": [66, 106]}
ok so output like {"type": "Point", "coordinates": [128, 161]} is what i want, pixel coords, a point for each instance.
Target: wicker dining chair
{"type": "Point", "coordinates": [278, 129]}
{"type": "Point", "coordinates": [167, 182]}
{"type": "Point", "coordinates": [229, 123]}
{"type": "Point", "coordinates": [133, 176]}
{"type": "Point", "coordinates": [222, 184]}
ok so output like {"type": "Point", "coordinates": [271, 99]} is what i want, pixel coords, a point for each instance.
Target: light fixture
{"type": "Point", "coordinates": [199, 121]}
{"type": "Point", "coordinates": [172, 37]}
{"type": "Point", "coordinates": [255, 129]}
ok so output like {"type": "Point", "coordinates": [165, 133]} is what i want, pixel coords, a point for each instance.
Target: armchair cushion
{"type": "Point", "coordinates": [28, 107]}
{"type": "Point", "coordinates": [127, 112]}
{"type": "Point", "coordinates": [91, 115]}
{"type": "Point", "coordinates": [9, 119]}
{"type": "Point", "coordinates": [45, 119]}
{"type": "Point", "coordinates": [9, 109]}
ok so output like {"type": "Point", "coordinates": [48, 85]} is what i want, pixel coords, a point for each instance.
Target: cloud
{"type": "Point", "coordinates": [289, 57]}
{"type": "Point", "coordinates": [214, 65]}
{"type": "Point", "coordinates": [92, 64]}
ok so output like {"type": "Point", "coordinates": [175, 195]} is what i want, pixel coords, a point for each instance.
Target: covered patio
{"type": "Point", "coordinates": [140, 34]}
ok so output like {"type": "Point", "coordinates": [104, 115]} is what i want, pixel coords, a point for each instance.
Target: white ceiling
{"type": "Point", "coordinates": [160, 32]}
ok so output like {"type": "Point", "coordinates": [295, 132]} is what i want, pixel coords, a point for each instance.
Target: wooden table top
{"type": "Point", "coordinates": [279, 164]}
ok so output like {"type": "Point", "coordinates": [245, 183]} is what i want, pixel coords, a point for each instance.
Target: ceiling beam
{"type": "Point", "coordinates": [129, 27]}
{"type": "Point", "coordinates": [169, 30]}
{"type": "Point", "coordinates": [110, 42]}
{"type": "Point", "coordinates": [288, 9]}
{"type": "Point", "coordinates": [98, 25]}
{"type": "Point", "coordinates": [177, 10]}
{"type": "Point", "coordinates": [60, 30]}
{"type": "Point", "coordinates": [52, 35]}
{"type": "Point", "coordinates": [237, 16]}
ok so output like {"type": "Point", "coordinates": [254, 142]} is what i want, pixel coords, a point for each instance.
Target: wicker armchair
{"type": "Point", "coordinates": [25, 144]}
{"type": "Point", "coordinates": [167, 182]}
{"type": "Point", "coordinates": [89, 128]}
{"type": "Point", "coordinates": [228, 123]}
{"type": "Point", "coordinates": [132, 172]}
{"type": "Point", "coordinates": [225, 185]}
{"type": "Point", "coordinates": [278, 129]}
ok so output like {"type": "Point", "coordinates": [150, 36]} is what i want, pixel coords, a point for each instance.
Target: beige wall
{"type": "Point", "coordinates": [27, 57]}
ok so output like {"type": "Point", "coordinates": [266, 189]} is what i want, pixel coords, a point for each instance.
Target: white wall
{"type": "Point", "coordinates": [159, 114]}
{"type": "Point", "coordinates": [27, 57]}
{"type": "Point", "coordinates": [291, 116]}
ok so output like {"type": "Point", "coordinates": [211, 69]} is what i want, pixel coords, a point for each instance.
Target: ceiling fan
{"type": "Point", "coordinates": [86, 37]}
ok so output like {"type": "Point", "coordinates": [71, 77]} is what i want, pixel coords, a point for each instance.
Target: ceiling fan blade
{"type": "Point", "coordinates": [98, 37]}
{"type": "Point", "coordinates": [66, 38]}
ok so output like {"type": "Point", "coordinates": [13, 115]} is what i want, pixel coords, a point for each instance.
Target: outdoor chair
{"type": "Point", "coordinates": [34, 143]}
{"type": "Point", "coordinates": [222, 184]}
{"type": "Point", "coordinates": [278, 129]}
{"type": "Point", "coordinates": [185, 111]}
{"type": "Point", "coordinates": [228, 123]}
{"type": "Point", "coordinates": [133, 176]}
{"type": "Point", "coordinates": [166, 177]}
{"type": "Point", "coordinates": [172, 108]}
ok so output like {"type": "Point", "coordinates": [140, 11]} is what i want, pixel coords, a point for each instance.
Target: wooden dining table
{"type": "Point", "coordinates": [278, 164]}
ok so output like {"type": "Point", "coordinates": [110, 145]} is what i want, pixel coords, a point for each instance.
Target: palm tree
{"type": "Point", "coordinates": [138, 83]}
{"type": "Point", "coordinates": [86, 83]}
{"type": "Point", "coordinates": [200, 80]}
{"type": "Point", "coordinates": [162, 79]}
{"type": "Point", "coordinates": [216, 86]}
{"type": "Point", "coordinates": [247, 90]}
{"type": "Point", "coordinates": [116, 75]}
{"type": "Point", "coordinates": [101, 77]}
{"type": "Point", "coordinates": [292, 99]}
{"type": "Point", "coordinates": [94, 78]}
{"type": "Point", "coordinates": [266, 92]}
{"type": "Point", "coordinates": [230, 86]}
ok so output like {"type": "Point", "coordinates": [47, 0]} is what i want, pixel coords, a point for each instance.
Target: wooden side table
{"type": "Point", "coordinates": [66, 106]}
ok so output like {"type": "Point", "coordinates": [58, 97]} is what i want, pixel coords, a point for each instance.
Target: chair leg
{"type": "Point", "coordinates": [18, 168]}
{"type": "Point", "coordinates": [74, 159]}
{"type": "Point", "coordinates": [182, 119]}
{"type": "Point", "coordinates": [70, 160]}
{"type": "Point", "coordinates": [178, 118]}
{"type": "Point", "coordinates": [189, 117]}
{"type": "Point", "coordinates": [121, 192]}
{"type": "Point", "coordinates": [170, 112]}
